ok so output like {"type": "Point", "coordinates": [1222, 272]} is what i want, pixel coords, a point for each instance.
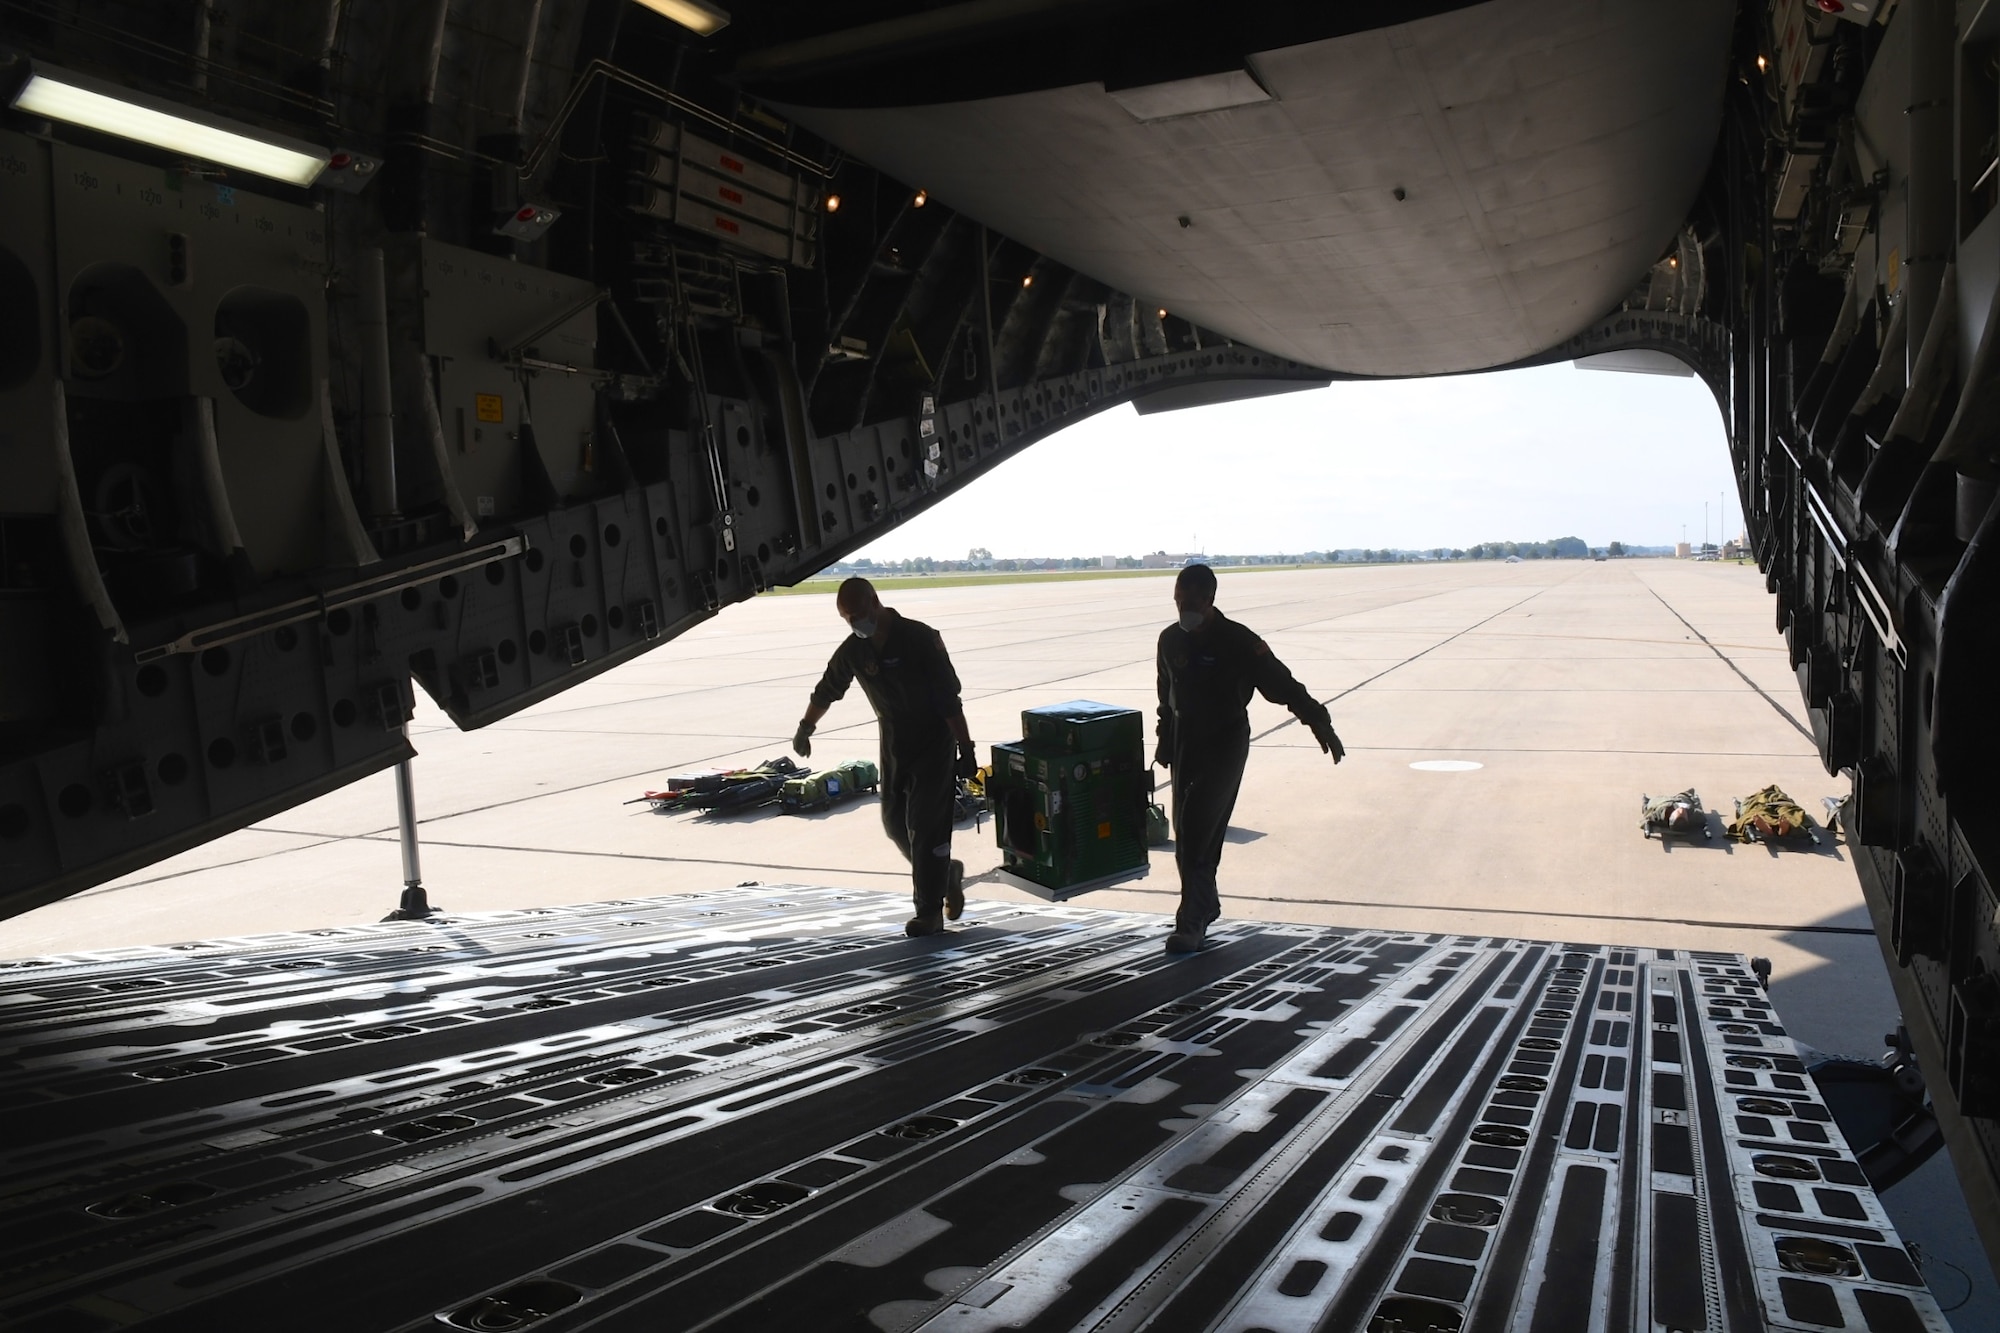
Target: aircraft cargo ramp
{"type": "Point", "coordinates": [763, 1108]}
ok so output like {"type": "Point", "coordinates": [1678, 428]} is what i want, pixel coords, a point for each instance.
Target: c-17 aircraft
{"type": "Point", "coordinates": [487, 346]}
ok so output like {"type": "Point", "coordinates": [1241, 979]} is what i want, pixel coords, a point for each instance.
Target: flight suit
{"type": "Point", "coordinates": [1205, 682]}
{"type": "Point", "coordinates": [915, 693]}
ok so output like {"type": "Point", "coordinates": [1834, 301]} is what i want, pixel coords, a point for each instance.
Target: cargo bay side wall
{"type": "Point", "coordinates": [271, 456]}
{"type": "Point", "coordinates": [1851, 222]}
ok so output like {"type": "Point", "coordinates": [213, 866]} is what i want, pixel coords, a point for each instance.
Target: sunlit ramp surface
{"type": "Point", "coordinates": [764, 1109]}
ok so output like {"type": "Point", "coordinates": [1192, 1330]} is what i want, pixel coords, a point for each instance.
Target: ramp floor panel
{"type": "Point", "coordinates": [765, 1109]}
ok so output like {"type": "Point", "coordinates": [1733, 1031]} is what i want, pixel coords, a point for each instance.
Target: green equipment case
{"type": "Point", "coordinates": [1069, 799]}
{"type": "Point", "coordinates": [1081, 725]}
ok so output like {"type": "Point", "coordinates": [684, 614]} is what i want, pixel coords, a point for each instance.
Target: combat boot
{"type": "Point", "coordinates": [924, 923]}
{"type": "Point", "coordinates": [1186, 940]}
{"type": "Point", "coordinates": [954, 892]}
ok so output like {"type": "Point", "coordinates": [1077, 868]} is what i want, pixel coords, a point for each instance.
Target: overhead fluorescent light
{"type": "Point", "coordinates": [694, 15]}
{"type": "Point", "coordinates": [76, 100]}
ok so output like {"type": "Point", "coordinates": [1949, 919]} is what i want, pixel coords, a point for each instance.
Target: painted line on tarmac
{"type": "Point", "coordinates": [322, 840]}
{"type": "Point", "coordinates": [1414, 656]}
{"type": "Point", "coordinates": [1730, 662]}
{"type": "Point", "coordinates": [645, 856]}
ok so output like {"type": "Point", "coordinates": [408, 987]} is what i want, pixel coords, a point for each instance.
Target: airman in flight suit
{"type": "Point", "coordinates": [1208, 667]}
{"type": "Point", "coordinates": [908, 678]}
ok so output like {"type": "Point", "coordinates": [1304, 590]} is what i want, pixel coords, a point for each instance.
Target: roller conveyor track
{"type": "Point", "coordinates": [765, 1109]}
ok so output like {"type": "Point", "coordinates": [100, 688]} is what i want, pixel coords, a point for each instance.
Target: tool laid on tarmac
{"type": "Point", "coordinates": [726, 789]}
{"type": "Point", "coordinates": [1680, 814]}
{"type": "Point", "coordinates": [686, 786]}
{"type": "Point", "coordinates": [1771, 816]}
{"type": "Point", "coordinates": [970, 801]}
{"type": "Point", "coordinates": [793, 788]}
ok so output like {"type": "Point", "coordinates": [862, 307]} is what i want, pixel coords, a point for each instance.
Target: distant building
{"type": "Point", "coordinates": [1108, 562]}
{"type": "Point", "coordinates": [1682, 550]}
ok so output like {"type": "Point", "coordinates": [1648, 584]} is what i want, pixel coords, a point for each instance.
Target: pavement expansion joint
{"type": "Point", "coordinates": [764, 1108]}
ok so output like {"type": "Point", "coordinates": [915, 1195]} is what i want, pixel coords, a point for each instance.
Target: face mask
{"type": "Point", "coordinates": [864, 628]}
{"type": "Point", "coordinates": [1192, 620]}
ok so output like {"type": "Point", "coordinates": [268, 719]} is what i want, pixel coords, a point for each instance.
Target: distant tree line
{"type": "Point", "coordinates": [979, 558]}
{"type": "Point", "coordinates": [1559, 548]}
{"type": "Point", "coordinates": [979, 562]}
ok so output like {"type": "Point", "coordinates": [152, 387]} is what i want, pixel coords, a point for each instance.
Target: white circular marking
{"type": "Point", "coordinates": [1445, 765]}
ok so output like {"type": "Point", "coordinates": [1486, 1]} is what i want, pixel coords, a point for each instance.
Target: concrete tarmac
{"type": "Point", "coordinates": [1574, 686]}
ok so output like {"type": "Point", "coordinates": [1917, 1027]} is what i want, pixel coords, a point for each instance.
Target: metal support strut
{"type": "Point", "coordinates": [414, 906]}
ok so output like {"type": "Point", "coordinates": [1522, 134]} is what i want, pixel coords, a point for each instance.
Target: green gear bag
{"type": "Point", "coordinates": [1770, 813]}
{"type": "Point", "coordinates": [829, 786]}
{"type": "Point", "coordinates": [1681, 813]}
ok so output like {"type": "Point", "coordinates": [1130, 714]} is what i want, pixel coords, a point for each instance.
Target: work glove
{"type": "Point", "coordinates": [1322, 730]}
{"type": "Point", "coordinates": [802, 745]}
{"type": "Point", "coordinates": [968, 760]}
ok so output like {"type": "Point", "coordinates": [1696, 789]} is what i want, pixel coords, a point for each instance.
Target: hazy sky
{"type": "Point", "coordinates": [1520, 455]}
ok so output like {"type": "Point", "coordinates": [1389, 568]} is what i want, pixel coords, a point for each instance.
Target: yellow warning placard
{"type": "Point", "coordinates": [488, 407]}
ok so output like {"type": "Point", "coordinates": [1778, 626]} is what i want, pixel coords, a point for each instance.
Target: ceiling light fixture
{"type": "Point", "coordinates": [1163, 312]}
{"type": "Point", "coordinates": [110, 109]}
{"type": "Point", "coordinates": [696, 16]}
{"type": "Point", "coordinates": [1027, 280]}
{"type": "Point", "coordinates": [833, 203]}
{"type": "Point", "coordinates": [923, 197]}
{"type": "Point", "coordinates": [1762, 64]}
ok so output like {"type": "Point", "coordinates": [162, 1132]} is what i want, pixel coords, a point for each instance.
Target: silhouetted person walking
{"type": "Point", "coordinates": [907, 676]}
{"type": "Point", "coordinates": [1208, 666]}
